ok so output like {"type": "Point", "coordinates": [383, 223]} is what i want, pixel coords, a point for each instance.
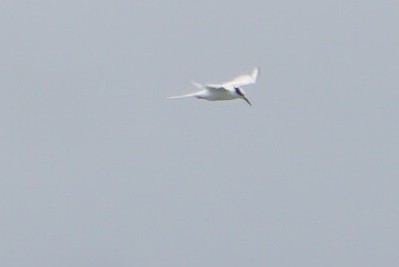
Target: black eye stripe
{"type": "Point", "coordinates": [238, 91]}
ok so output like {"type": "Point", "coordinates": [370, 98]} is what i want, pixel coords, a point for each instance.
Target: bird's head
{"type": "Point", "coordinates": [241, 93]}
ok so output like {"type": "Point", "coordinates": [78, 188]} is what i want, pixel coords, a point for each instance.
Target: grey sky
{"type": "Point", "coordinates": [99, 169]}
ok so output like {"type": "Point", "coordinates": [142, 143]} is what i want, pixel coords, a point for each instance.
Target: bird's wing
{"type": "Point", "coordinates": [183, 96]}
{"type": "Point", "coordinates": [243, 79]}
{"type": "Point", "coordinates": [209, 86]}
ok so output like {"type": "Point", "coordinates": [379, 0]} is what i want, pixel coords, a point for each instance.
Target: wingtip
{"type": "Point", "coordinates": [182, 96]}
{"type": "Point", "coordinates": [255, 73]}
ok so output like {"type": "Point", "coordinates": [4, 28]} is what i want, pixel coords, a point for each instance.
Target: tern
{"type": "Point", "coordinates": [225, 91]}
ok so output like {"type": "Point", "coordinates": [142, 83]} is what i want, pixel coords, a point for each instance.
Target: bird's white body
{"type": "Point", "coordinates": [216, 95]}
{"type": "Point", "coordinates": [226, 91]}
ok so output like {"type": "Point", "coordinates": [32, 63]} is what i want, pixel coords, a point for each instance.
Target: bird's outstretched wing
{"type": "Point", "coordinates": [243, 79]}
{"type": "Point", "coordinates": [183, 96]}
{"type": "Point", "coordinates": [209, 86]}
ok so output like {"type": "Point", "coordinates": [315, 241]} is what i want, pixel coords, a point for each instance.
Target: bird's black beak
{"type": "Point", "coordinates": [246, 99]}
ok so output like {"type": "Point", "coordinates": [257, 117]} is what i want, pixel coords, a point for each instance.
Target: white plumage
{"type": "Point", "coordinates": [225, 91]}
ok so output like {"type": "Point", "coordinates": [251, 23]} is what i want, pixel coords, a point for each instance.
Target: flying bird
{"type": "Point", "coordinates": [225, 91]}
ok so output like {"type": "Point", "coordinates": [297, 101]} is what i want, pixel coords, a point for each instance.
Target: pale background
{"type": "Point", "coordinates": [99, 169]}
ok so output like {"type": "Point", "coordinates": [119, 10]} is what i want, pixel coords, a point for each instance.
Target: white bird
{"type": "Point", "coordinates": [226, 91]}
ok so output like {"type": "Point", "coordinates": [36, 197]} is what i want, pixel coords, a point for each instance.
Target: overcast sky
{"type": "Point", "coordinates": [97, 168]}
